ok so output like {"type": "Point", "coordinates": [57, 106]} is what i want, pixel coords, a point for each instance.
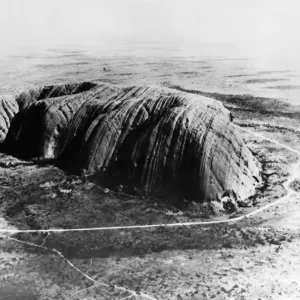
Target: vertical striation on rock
{"type": "Point", "coordinates": [8, 109]}
{"type": "Point", "coordinates": [158, 140]}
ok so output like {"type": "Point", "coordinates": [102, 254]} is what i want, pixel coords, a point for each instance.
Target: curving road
{"type": "Point", "coordinates": [294, 175]}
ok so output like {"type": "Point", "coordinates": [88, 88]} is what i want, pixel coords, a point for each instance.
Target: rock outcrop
{"type": "Point", "coordinates": [156, 140]}
{"type": "Point", "coordinates": [8, 109]}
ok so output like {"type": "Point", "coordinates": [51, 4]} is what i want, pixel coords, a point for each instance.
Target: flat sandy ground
{"type": "Point", "coordinates": [255, 258]}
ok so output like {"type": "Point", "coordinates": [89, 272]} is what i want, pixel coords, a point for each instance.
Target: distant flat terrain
{"type": "Point", "coordinates": [136, 66]}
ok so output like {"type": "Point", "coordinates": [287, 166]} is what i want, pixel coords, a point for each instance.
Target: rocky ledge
{"type": "Point", "coordinates": [157, 141]}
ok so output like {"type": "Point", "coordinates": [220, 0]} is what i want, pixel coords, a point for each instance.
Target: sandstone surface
{"type": "Point", "coordinates": [159, 141]}
{"type": "Point", "coordinates": [8, 109]}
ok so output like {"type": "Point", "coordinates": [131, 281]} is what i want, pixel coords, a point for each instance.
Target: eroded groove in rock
{"type": "Point", "coordinates": [157, 140]}
{"type": "Point", "coordinates": [52, 91]}
{"type": "Point", "coordinates": [8, 109]}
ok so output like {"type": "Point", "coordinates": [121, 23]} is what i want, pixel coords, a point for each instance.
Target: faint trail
{"type": "Point", "coordinates": [267, 139]}
{"type": "Point", "coordinates": [96, 283]}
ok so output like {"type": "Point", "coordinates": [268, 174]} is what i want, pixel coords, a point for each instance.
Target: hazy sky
{"type": "Point", "coordinates": [247, 24]}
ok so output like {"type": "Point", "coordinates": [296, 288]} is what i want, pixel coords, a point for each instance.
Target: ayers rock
{"type": "Point", "coordinates": [160, 141]}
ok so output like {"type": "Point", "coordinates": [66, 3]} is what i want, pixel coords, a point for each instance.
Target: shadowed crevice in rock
{"type": "Point", "coordinates": [159, 141]}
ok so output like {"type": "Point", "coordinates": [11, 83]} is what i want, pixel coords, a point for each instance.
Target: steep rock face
{"type": "Point", "coordinates": [38, 123]}
{"type": "Point", "coordinates": [158, 140]}
{"type": "Point", "coordinates": [8, 109]}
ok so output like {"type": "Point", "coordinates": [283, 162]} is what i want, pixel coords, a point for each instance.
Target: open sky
{"type": "Point", "coordinates": [252, 26]}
